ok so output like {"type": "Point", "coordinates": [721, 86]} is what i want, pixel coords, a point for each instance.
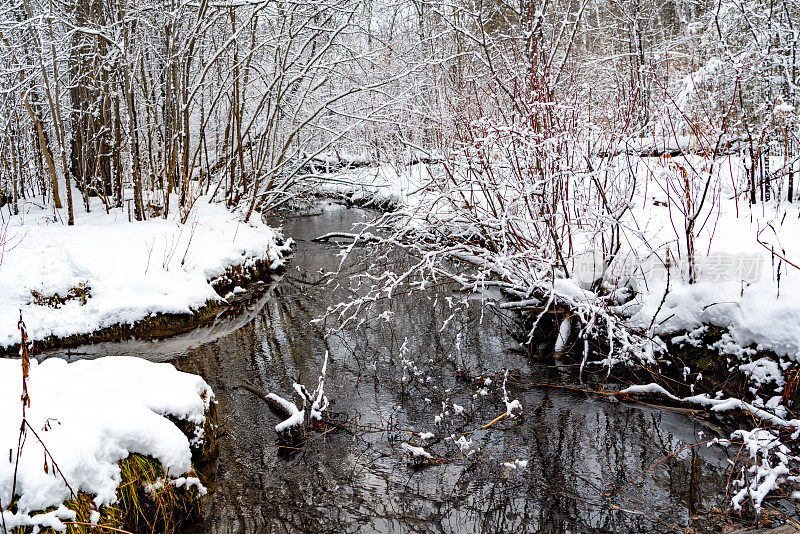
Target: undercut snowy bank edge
{"type": "Point", "coordinates": [117, 439]}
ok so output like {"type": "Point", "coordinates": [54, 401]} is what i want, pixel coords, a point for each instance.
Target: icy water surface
{"type": "Point", "coordinates": [589, 459]}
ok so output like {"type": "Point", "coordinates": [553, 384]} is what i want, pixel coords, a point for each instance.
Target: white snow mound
{"type": "Point", "coordinates": [91, 414]}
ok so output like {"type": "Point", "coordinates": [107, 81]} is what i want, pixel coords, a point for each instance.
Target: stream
{"type": "Point", "coordinates": [590, 459]}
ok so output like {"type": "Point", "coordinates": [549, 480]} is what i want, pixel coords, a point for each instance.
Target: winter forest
{"type": "Point", "coordinates": [399, 266]}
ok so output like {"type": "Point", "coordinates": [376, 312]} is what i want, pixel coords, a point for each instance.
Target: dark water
{"type": "Point", "coordinates": [589, 459]}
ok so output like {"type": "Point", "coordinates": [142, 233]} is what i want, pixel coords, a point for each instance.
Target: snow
{"type": "Point", "coordinates": [511, 405]}
{"type": "Point", "coordinates": [737, 286]}
{"type": "Point", "coordinates": [131, 269]}
{"type": "Point", "coordinates": [516, 464]}
{"type": "Point", "coordinates": [296, 416]}
{"type": "Point", "coordinates": [763, 371]}
{"type": "Point", "coordinates": [190, 482]}
{"type": "Point", "coordinates": [466, 446]}
{"type": "Point", "coordinates": [385, 184]}
{"type": "Point", "coordinates": [314, 403]}
{"type": "Point", "coordinates": [91, 414]}
{"type": "Point", "coordinates": [648, 389]}
{"type": "Point", "coordinates": [769, 469]}
{"type": "Point", "coordinates": [416, 452]}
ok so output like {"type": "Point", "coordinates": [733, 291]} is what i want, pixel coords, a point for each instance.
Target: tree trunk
{"type": "Point", "coordinates": [91, 117]}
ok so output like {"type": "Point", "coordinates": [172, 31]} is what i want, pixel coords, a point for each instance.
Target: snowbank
{"type": "Point", "coordinates": [745, 283]}
{"type": "Point", "coordinates": [385, 185]}
{"type": "Point", "coordinates": [90, 415]}
{"type": "Point", "coordinates": [127, 270]}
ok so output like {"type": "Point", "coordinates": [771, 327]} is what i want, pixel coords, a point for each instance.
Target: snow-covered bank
{"type": "Point", "coordinates": [90, 415]}
{"type": "Point", "coordinates": [385, 186]}
{"type": "Point", "coordinates": [106, 271]}
{"type": "Point", "coordinates": [747, 257]}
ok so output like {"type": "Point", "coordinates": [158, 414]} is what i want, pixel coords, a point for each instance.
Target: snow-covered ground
{"type": "Point", "coordinates": [747, 261]}
{"type": "Point", "coordinates": [130, 270]}
{"type": "Point", "coordinates": [90, 415]}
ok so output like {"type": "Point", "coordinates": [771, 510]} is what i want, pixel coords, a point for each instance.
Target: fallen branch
{"type": "Point", "coordinates": [716, 405]}
{"type": "Point", "coordinates": [365, 237]}
{"type": "Point", "coordinates": [279, 409]}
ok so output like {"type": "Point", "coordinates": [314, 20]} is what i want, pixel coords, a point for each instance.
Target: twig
{"type": "Point", "coordinates": [275, 406]}
{"type": "Point", "coordinates": [664, 297]}
{"type": "Point", "coordinates": [189, 244]}
{"type": "Point", "coordinates": [487, 425]}
{"type": "Point", "coordinates": [3, 518]}
{"type": "Point", "coordinates": [52, 460]}
{"type": "Point", "coordinates": [771, 251]}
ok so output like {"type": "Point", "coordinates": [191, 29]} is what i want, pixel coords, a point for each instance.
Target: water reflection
{"type": "Point", "coordinates": [589, 460]}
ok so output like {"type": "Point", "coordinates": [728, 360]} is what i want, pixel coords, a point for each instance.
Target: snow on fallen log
{"type": "Point", "coordinates": [363, 237]}
{"type": "Point", "coordinates": [295, 419]}
{"type": "Point", "coordinates": [520, 304]}
{"type": "Point", "coordinates": [88, 416]}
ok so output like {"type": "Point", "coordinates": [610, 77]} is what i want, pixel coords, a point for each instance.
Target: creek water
{"type": "Point", "coordinates": [589, 459]}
